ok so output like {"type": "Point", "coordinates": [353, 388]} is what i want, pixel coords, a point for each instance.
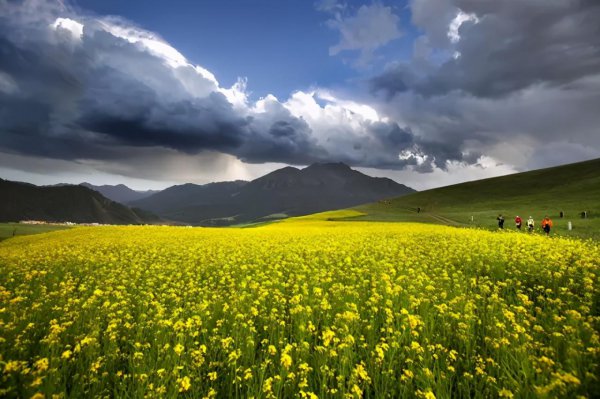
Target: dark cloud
{"type": "Point", "coordinates": [511, 83]}
{"type": "Point", "coordinates": [509, 48]}
{"type": "Point", "coordinates": [84, 88]}
{"type": "Point", "coordinates": [65, 91]}
{"type": "Point", "coordinates": [186, 126]}
{"type": "Point", "coordinates": [397, 78]}
{"type": "Point", "coordinates": [282, 129]}
{"type": "Point", "coordinates": [112, 89]}
{"type": "Point", "coordinates": [286, 140]}
{"type": "Point", "coordinates": [420, 154]}
{"type": "Point", "coordinates": [392, 134]}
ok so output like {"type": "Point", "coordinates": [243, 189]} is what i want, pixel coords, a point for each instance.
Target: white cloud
{"type": "Point", "coordinates": [147, 40]}
{"type": "Point", "coordinates": [264, 103]}
{"type": "Point", "coordinates": [363, 110]}
{"type": "Point", "coordinates": [329, 5]}
{"type": "Point", "coordinates": [414, 153]}
{"type": "Point", "coordinates": [453, 28]}
{"type": "Point", "coordinates": [335, 110]}
{"type": "Point", "coordinates": [237, 94]}
{"type": "Point", "coordinates": [370, 28]}
{"type": "Point", "coordinates": [75, 28]}
{"type": "Point", "coordinates": [338, 125]}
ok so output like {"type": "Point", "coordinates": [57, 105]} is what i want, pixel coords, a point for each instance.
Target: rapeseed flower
{"type": "Point", "coordinates": [184, 384]}
{"type": "Point", "coordinates": [298, 308]}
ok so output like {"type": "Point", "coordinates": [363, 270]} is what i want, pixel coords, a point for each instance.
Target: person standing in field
{"type": "Point", "coordinates": [547, 225]}
{"type": "Point", "coordinates": [530, 224]}
{"type": "Point", "coordinates": [518, 222]}
{"type": "Point", "coordinates": [500, 219]}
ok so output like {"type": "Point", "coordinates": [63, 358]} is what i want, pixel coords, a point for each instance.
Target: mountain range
{"type": "Point", "coordinates": [285, 192]}
{"type": "Point", "coordinates": [120, 192]}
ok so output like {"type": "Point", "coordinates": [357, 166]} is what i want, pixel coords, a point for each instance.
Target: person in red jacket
{"type": "Point", "coordinates": [547, 225]}
{"type": "Point", "coordinates": [518, 222]}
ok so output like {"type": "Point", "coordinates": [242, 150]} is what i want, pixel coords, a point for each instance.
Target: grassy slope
{"type": "Point", "coordinates": [571, 188]}
{"type": "Point", "coordinates": [7, 229]}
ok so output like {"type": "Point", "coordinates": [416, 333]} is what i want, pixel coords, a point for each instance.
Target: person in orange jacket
{"type": "Point", "coordinates": [547, 224]}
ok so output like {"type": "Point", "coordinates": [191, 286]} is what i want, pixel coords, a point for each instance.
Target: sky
{"type": "Point", "coordinates": [426, 92]}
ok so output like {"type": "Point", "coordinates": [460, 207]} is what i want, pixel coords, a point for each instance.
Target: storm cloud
{"type": "Point", "coordinates": [519, 82]}
{"type": "Point", "coordinates": [497, 48]}
{"type": "Point", "coordinates": [488, 83]}
{"type": "Point", "coordinates": [80, 87]}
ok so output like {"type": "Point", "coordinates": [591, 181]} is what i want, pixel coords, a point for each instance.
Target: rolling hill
{"type": "Point", "coordinates": [78, 204]}
{"type": "Point", "coordinates": [572, 189]}
{"type": "Point", "coordinates": [285, 192]}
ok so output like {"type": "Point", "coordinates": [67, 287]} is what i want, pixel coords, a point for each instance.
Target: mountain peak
{"type": "Point", "coordinates": [329, 166]}
{"type": "Point", "coordinates": [286, 171]}
{"type": "Point", "coordinates": [119, 193]}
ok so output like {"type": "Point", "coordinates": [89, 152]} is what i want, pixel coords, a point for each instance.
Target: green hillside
{"type": "Point", "coordinates": [8, 230]}
{"type": "Point", "coordinates": [572, 188]}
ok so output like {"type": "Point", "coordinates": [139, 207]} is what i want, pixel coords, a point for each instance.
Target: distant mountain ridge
{"type": "Point", "coordinates": [64, 203]}
{"type": "Point", "coordinates": [120, 192]}
{"type": "Point", "coordinates": [175, 198]}
{"type": "Point", "coordinates": [285, 192]}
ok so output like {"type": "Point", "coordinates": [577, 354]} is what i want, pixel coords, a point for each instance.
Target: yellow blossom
{"type": "Point", "coordinates": [286, 360]}
{"type": "Point", "coordinates": [178, 349]}
{"type": "Point", "coordinates": [184, 384]}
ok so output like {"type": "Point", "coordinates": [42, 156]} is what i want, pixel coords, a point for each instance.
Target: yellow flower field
{"type": "Point", "coordinates": [305, 308]}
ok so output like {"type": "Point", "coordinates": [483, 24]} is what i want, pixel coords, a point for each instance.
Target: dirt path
{"type": "Point", "coordinates": [444, 219]}
{"type": "Point", "coordinates": [439, 218]}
